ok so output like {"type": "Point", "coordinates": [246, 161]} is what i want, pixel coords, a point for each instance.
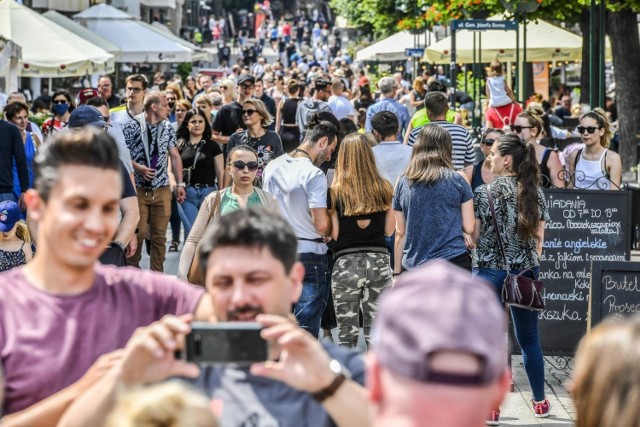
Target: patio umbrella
{"type": "Point", "coordinates": [389, 49]}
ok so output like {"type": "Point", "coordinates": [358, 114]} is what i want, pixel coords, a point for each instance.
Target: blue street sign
{"type": "Point", "coordinates": [484, 25]}
{"type": "Point", "coordinates": [416, 52]}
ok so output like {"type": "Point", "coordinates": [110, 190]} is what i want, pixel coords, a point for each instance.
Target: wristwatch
{"type": "Point", "coordinates": [342, 374]}
{"type": "Point", "coordinates": [120, 244]}
{"type": "Point", "coordinates": [181, 184]}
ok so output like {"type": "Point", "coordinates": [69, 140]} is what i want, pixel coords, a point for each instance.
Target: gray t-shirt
{"type": "Point", "coordinates": [433, 218]}
{"type": "Point", "coordinates": [249, 401]}
{"type": "Point", "coordinates": [392, 159]}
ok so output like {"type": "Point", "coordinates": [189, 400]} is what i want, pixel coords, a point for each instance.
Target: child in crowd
{"type": "Point", "coordinates": [13, 236]}
{"type": "Point", "coordinates": [503, 106]}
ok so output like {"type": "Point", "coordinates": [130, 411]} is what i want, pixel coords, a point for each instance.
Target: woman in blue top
{"type": "Point", "coordinates": [18, 113]}
{"type": "Point", "coordinates": [433, 201]}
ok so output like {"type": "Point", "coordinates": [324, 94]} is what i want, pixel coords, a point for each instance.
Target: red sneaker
{"type": "Point", "coordinates": [541, 409]}
{"type": "Point", "coordinates": [494, 418]}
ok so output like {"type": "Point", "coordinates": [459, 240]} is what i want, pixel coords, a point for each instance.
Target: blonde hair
{"type": "Point", "coordinates": [431, 157]}
{"type": "Point", "coordinates": [267, 118]}
{"type": "Point", "coordinates": [170, 404]}
{"type": "Point", "coordinates": [418, 84]}
{"type": "Point", "coordinates": [495, 68]}
{"type": "Point", "coordinates": [533, 114]}
{"type": "Point", "coordinates": [22, 232]}
{"type": "Point", "coordinates": [357, 185]}
{"type": "Point", "coordinates": [231, 87]}
{"type": "Point", "coordinates": [175, 89]}
{"type": "Point", "coordinates": [600, 116]}
{"type": "Point", "coordinates": [606, 379]}
{"type": "Point", "coordinates": [184, 104]}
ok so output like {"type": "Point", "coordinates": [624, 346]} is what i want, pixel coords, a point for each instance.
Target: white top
{"type": "Point", "coordinates": [341, 107]}
{"type": "Point", "coordinates": [392, 159]}
{"type": "Point", "coordinates": [590, 174]}
{"type": "Point", "coordinates": [498, 92]}
{"type": "Point", "coordinates": [297, 185]}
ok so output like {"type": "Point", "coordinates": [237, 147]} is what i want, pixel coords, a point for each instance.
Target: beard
{"type": "Point", "coordinates": [245, 313]}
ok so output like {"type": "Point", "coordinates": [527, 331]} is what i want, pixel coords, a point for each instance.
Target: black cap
{"type": "Point", "coordinates": [243, 78]}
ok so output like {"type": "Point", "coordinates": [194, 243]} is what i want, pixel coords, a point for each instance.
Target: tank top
{"type": "Point", "coordinates": [289, 111]}
{"type": "Point", "coordinates": [589, 173]}
{"type": "Point", "coordinates": [476, 177]}
{"type": "Point", "coordinates": [9, 260]}
{"type": "Point", "coordinates": [498, 92]}
{"type": "Point", "coordinates": [545, 173]}
{"type": "Point", "coordinates": [351, 236]}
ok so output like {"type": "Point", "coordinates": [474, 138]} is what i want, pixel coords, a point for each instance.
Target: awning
{"type": "Point", "coordinates": [197, 55]}
{"type": "Point", "coordinates": [81, 31]}
{"type": "Point", "coordinates": [49, 50]}
{"type": "Point", "coordinates": [137, 41]}
{"type": "Point", "coordinates": [391, 48]}
{"type": "Point", "coordinates": [171, 4]}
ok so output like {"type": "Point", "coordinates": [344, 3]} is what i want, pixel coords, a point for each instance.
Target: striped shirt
{"type": "Point", "coordinates": [463, 153]}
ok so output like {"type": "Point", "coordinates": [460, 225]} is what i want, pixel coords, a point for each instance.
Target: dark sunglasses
{"type": "Point", "coordinates": [240, 165]}
{"type": "Point", "coordinates": [223, 87]}
{"type": "Point", "coordinates": [488, 141]}
{"type": "Point", "coordinates": [248, 112]}
{"type": "Point", "coordinates": [60, 101]}
{"type": "Point", "coordinates": [518, 129]}
{"type": "Point", "coordinates": [590, 129]}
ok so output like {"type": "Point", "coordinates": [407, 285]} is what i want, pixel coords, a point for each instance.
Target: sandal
{"type": "Point", "coordinates": [173, 247]}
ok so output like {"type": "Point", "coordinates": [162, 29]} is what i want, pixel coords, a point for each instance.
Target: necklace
{"type": "Point", "coordinates": [298, 150]}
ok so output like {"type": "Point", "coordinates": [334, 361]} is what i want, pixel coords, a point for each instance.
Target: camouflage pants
{"type": "Point", "coordinates": [357, 281]}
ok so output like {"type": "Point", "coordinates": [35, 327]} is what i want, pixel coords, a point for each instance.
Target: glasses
{"type": "Point", "coordinates": [518, 129]}
{"type": "Point", "coordinates": [223, 87]}
{"type": "Point", "coordinates": [248, 112]}
{"type": "Point", "coordinates": [105, 118]}
{"type": "Point", "coordinates": [488, 141]}
{"type": "Point", "coordinates": [60, 101]}
{"type": "Point", "coordinates": [247, 87]}
{"type": "Point", "coordinates": [240, 165]}
{"type": "Point", "coordinates": [590, 129]}
{"type": "Point", "coordinates": [134, 89]}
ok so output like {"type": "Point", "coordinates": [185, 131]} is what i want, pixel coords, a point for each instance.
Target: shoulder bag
{"type": "Point", "coordinates": [517, 290]}
{"type": "Point", "coordinates": [196, 273]}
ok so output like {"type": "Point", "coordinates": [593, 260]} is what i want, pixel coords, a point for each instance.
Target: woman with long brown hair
{"type": "Point", "coordinates": [434, 203]}
{"type": "Point", "coordinates": [361, 217]}
{"type": "Point", "coordinates": [520, 215]}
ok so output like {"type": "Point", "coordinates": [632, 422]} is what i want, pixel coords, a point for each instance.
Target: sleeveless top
{"type": "Point", "coordinates": [351, 236]}
{"type": "Point", "coordinates": [289, 111]}
{"type": "Point", "coordinates": [498, 92]}
{"type": "Point", "coordinates": [545, 173]}
{"type": "Point", "coordinates": [588, 174]}
{"type": "Point", "coordinates": [9, 260]}
{"type": "Point", "coordinates": [476, 177]}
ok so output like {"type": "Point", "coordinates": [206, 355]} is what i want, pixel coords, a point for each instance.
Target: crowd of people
{"type": "Point", "coordinates": [311, 198]}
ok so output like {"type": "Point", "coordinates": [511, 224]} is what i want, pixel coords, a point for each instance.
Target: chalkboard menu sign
{"type": "Point", "coordinates": [615, 290]}
{"type": "Point", "coordinates": [585, 226]}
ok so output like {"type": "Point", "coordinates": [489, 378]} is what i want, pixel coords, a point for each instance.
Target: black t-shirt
{"type": "Point", "coordinates": [268, 147]}
{"type": "Point", "coordinates": [127, 185]}
{"type": "Point", "coordinates": [204, 171]}
{"type": "Point", "coordinates": [225, 52]}
{"type": "Point", "coordinates": [229, 119]}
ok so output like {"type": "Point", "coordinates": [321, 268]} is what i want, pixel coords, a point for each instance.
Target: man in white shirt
{"type": "Point", "coordinates": [340, 105]}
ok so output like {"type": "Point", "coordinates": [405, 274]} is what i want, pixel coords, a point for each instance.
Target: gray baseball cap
{"type": "Point", "coordinates": [440, 308]}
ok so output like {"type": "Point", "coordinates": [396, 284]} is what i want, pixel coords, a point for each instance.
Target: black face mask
{"type": "Point", "coordinates": [171, 105]}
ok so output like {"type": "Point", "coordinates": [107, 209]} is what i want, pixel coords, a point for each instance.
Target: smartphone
{"type": "Point", "coordinates": [225, 342]}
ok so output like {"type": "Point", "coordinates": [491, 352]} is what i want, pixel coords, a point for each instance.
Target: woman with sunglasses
{"type": "Point", "coordinates": [242, 167]}
{"type": "Point", "coordinates": [62, 106]}
{"type": "Point", "coordinates": [433, 205]}
{"type": "Point", "coordinates": [520, 214]}
{"type": "Point", "coordinates": [228, 90]}
{"type": "Point", "coordinates": [482, 170]}
{"type": "Point", "coordinates": [528, 126]}
{"type": "Point", "coordinates": [361, 217]}
{"type": "Point", "coordinates": [202, 164]}
{"type": "Point", "coordinates": [267, 143]}
{"type": "Point", "coordinates": [595, 167]}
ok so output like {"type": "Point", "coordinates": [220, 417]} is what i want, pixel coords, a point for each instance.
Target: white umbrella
{"type": "Point", "coordinates": [49, 50]}
{"type": "Point", "coordinates": [137, 42]}
{"type": "Point", "coordinates": [389, 49]}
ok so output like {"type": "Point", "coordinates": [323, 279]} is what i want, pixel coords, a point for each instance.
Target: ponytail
{"type": "Point", "coordinates": [22, 232]}
{"type": "Point", "coordinates": [525, 165]}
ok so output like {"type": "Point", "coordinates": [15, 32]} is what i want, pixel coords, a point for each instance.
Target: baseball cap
{"type": "Point", "coordinates": [321, 83]}
{"type": "Point", "coordinates": [9, 215]}
{"type": "Point", "coordinates": [85, 94]}
{"type": "Point", "coordinates": [86, 115]}
{"type": "Point", "coordinates": [436, 308]}
{"type": "Point", "coordinates": [243, 78]}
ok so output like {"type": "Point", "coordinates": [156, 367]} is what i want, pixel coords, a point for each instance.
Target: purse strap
{"type": "Point", "coordinates": [215, 207]}
{"type": "Point", "coordinates": [495, 225]}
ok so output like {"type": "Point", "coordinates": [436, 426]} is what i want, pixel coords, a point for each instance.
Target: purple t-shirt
{"type": "Point", "coordinates": [47, 341]}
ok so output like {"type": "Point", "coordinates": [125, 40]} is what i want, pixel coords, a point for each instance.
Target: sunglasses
{"type": "Point", "coordinates": [240, 165]}
{"type": "Point", "coordinates": [488, 141]}
{"type": "Point", "coordinates": [590, 129]}
{"type": "Point", "coordinates": [60, 101]}
{"type": "Point", "coordinates": [134, 89]}
{"type": "Point", "coordinates": [247, 87]}
{"type": "Point", "coordinates": [518, 129]}
{"type": "Point", "coordinates": [223, 87]}
{"type": "Point", "coordinates": [105, 118]}
{"type": "Point", "coordinates": [248, 112]}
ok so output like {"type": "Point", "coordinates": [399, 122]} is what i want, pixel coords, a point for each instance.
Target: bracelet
{"type": "Point", "coordinates": [120, 244]}
{"type": "Point", "coordinates": [395, 274]}
{"type": "Point", "coordinates": [181, 184]}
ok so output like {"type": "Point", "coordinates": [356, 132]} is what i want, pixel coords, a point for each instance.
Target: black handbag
{"type": "Point", "coordinates": [517, 290]}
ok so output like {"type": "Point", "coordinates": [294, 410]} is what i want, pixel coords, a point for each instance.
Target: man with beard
{"type": "Point", "coordinates": [300, 189]}
{"type": "Point", "coordinates": [304, 383]}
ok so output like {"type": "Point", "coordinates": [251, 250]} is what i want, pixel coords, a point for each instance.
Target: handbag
{"type": "Point", "coordinates": [197, 274]}
{"type": "Point", "coordinates": [517, 289]}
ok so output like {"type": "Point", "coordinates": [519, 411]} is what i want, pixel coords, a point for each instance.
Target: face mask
{"type": "Point", "coordinates": [171, 105]}
{"type": "Point", "coordinates": [60, 109]}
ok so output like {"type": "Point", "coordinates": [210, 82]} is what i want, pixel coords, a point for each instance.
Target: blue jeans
{"type": "Point", "coordinates": [525, 323]}
{"type": "Point", "coordinates": [8, 196]}
{"type": "Point", "coordinates": [315, 292]}
{"type": "Point", "coordinates": [188, 210]}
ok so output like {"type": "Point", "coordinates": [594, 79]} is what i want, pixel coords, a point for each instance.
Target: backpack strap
{"type": "Point", "coordinates": [575, 163]}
